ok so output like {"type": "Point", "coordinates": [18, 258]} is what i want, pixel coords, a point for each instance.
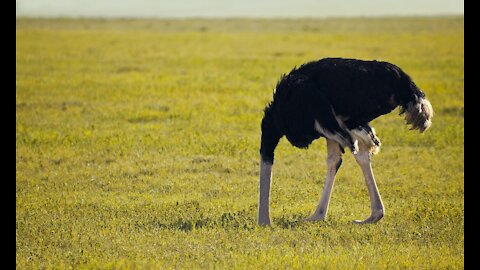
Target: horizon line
{"type": "Point", "coordinates": [132, 17]}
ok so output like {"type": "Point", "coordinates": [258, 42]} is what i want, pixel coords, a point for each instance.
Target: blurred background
{"type": "Point", "coordinates": [245, 8]}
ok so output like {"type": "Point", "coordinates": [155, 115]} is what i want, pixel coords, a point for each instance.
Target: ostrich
{"type": "Point", "coordinates": [336, 98]}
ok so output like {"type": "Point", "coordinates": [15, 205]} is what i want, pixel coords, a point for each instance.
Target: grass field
{"type": "Point", "coordinates": [137, 147]}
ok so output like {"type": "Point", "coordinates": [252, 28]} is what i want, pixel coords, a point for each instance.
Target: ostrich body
{"type": "Point", "coordinates": [336, 98]}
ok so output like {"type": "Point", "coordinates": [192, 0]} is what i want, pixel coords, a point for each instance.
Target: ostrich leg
{"type": "Point", "coordinates": [363, 159]}
{"type": "Point", "coordinates": [334, 160]}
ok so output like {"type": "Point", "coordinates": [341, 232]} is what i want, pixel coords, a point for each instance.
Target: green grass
{"type": "Point", "coordinates": [137, 147]}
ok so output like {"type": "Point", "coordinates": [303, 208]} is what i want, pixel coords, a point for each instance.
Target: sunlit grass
{"type": "Point", "coordinates": [137, 146]}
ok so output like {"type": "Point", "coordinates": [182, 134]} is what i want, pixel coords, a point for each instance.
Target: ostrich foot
{"type": "Point", "coordinates": [374, 217]}
{"type": "Point", "coordinates": [315, 218]}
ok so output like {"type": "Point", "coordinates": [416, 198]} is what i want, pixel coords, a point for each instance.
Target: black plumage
{"type": "Point", "coordinates": [342, 95]}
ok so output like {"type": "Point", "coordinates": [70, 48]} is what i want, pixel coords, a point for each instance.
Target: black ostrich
{"type": "Point", "coordinates": [336, 98]}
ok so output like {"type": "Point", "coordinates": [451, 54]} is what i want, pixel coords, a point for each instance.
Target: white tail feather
{"type": "Point", "coordinates": [419, 114]}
